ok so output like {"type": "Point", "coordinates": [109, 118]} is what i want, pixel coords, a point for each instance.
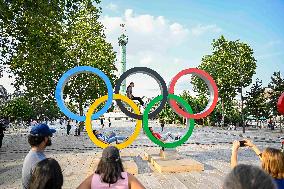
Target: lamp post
{"type": "Point", "coordinates": [122, 41]}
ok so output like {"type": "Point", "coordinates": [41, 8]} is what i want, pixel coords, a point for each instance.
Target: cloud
{"type": "Point", "coordinates": [178, 61]}
{"type": "Point", "coordinates": [112, 7]}
{"type": "Point", "coordinates": [145, 31]}
{"type": "Point", "coordinates": [158, 43]}
{"type": "Point", "coordinates": [202, 29]}
{"type": "Point", "coordinates": [146, 60]}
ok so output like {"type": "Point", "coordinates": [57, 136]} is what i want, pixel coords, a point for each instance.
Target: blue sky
{"type": "Point", "coordinates": [258, 23]}
{"type": "Point", "coordinates": [169, 36]}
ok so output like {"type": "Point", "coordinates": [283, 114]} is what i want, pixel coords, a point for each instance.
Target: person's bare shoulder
{"type": "Point", "coordinates": [86, 184]}
{"type": "Point", "coordinates": [134, 182]}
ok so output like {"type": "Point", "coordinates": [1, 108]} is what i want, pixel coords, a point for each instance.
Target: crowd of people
{"type": "Point", "coordinates": [272, 164]}
{"type": "Point", "coordinates": [40, 172]}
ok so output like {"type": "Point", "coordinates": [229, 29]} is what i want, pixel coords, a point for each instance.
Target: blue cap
{"type": "Point", "coordinates": [42, 130]}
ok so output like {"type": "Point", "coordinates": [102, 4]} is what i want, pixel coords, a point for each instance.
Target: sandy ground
{"type": "Point", "coordinates": [210, 146]}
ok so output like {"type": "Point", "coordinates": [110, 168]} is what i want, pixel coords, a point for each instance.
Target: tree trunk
{"type": "Point", "coordinates": [81, 112]}
{"type": "Point", "coordinates": [242, 109]}
{"type": "Point", "coordinates": [280, 125]}
{"type": "Point", "coordinates": [223, 114]}
{"type": "Point", "coordinates": [208, 121]}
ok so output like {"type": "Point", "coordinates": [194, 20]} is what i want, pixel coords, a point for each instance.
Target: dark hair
{"type": "Point", "coordinates": [47, 175]}
{"type": "Point", "coordinates": [131, 83]}
{"type": "Point", "coordinates": [94, 131]}
{"type": "Point", "coordinates": [110, 171]}
{"type": "Point", "coordinates": [248, 176]}
{"type": "Point", "coordinates": [35, 140]}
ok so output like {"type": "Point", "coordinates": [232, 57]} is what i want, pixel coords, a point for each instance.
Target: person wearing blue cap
{"type": "Point", "coordinates": [39, 138]}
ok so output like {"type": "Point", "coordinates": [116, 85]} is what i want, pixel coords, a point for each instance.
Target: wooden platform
{"type": "Point", "coordinates": [177, 166]}
{"type": "Point", "coordinates": [172, 162]}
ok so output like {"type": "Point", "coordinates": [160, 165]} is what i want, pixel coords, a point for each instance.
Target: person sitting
{"type": "Point", "coordinates": [110, 173]}
{"type": "Point", "coordinates": [162, 122]}
{"type": "Point", "coordinates": [248, 177]}
{"type": "Point", "coordinates": [108, 139]}
{"type": "Point", "coordinates": [165, 137]}
{"type": "Point", "coordinates": [47, 175]}
{"type": "Point", "coordinates": [272, 161]}
{"type": "Point", "coordinates": [130, 95]}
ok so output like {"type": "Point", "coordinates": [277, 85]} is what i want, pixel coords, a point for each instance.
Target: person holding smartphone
{"type": "Point", "coordinates": [272, 160]}
{"type": "Point", "coordinates": [237, 145]}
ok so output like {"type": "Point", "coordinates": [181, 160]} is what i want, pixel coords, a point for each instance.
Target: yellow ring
{"type": "Point", "coordinates": [89, 121]}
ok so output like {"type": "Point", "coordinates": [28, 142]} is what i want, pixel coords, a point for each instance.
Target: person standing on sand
{"type": "Point", "coordinates": [39, 138]}
{"type": "Point", "coordinates": [162, 122]}
{"type": "Point", "coordinates": [109, 123]}
{"type": "Point", "coordinates": [102, 122]}
{"type": "Point", "coordinates": [68, 127]}
{"type": "Point", "coordinates": [2, 129]}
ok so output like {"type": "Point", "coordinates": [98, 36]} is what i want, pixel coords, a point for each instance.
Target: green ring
{"type": "Point", "coordinates": [157, 141]}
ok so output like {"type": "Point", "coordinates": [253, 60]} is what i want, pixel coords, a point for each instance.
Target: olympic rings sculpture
{"type": "Point", "coordinates": [167, 95]}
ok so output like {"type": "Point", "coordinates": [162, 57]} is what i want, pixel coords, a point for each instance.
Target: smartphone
{"type": "Point", "coordinates": [242, 143]}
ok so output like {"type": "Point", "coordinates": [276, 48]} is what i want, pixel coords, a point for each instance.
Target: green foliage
{"type": "Point", "coordinates": [40, 40]}
{"type": "Point", "coordinates": [277, 88]}
{"type": "Point", "coordinates": [86, 45]}
{"type": "Point", "coordinates": [255, 101]}
{"type": "Point", "coordinates": [46, 110]}
{"type": "Point", "coordinates": [233, 115]}
{"type": "Point", "coordinates": [18, 108]}
{"type": "Point", "coordinates": [231, 65]}
{"type": "Point", "coordinates": [197, 105]}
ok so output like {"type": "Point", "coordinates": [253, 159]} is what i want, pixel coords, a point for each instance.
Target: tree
{"type": "Point", "coordinates": [232, 66]}
{"type": "Point", "coordinates": [232, 115]}
{"type": "Point", "coordinates": [46, 110]}
{"type": "Point", "coordinates": [18, 109]}
{"type": "Point", "coordinates": [255, 101]}
{"type": "Point", "coordinates": [277, 88]}
{"type": "Point", "coordinates": [86, 45]}
{"type": "Point", "coordinates": [43, 39]}
{"type": "Point", "coordinates": [3, 94]}
{"type": "Point", "coordinates": [197, 105]}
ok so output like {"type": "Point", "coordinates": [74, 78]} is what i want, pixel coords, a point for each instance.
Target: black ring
{"type": "Point", "coordinates": [150, 73]}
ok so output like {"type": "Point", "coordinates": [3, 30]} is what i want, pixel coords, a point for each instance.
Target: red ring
{"type": "Point", "coordinates": [198, 72]}
{"type": "Point", "coordinates": [280, 104]}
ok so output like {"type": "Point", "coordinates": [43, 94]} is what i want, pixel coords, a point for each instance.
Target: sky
{"type": "Point", "coordinates": [169, 36]}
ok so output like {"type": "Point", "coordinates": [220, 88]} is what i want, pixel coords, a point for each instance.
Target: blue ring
{"type": "Point", "coordinates": [75, 71]}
